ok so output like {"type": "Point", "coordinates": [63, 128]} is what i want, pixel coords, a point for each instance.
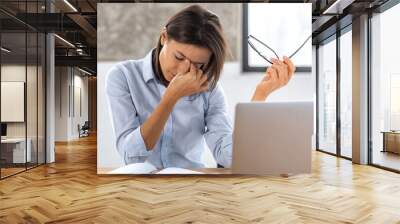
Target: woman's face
{"type": "Point", "coordinates": [175, 57]}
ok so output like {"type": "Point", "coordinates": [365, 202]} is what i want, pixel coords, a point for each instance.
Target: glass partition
{"type": "Point", "coordinates": [22, 88]}
{"type": "Point", "coordinates": [13, 105]}
{"type": "Point", "coordinates": [327, 96]}
{"type": "Point", "coordinates": [346, 93]}
{"type": "Point", "coordinates": [385, 89]}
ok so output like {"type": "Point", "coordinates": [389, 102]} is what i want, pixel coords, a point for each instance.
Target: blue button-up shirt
{"type": "Point", "coordinates": [197, 123]}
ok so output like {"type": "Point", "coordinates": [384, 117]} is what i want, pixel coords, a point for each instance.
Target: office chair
{"type": "Point", "coordinates": [84, 130]}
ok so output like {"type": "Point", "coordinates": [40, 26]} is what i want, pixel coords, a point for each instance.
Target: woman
{"type": "Point", "coordinates": [168, 107]}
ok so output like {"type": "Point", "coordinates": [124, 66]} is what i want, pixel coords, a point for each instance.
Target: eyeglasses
{"type": "Point", "coordinates": [250, 37]}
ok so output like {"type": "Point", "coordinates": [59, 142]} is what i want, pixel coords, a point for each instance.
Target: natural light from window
{"type": "Point", "coordinates": [283, 27]}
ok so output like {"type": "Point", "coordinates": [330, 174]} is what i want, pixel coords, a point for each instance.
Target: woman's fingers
{"type": "Point", "coordinates": [276, 76]}
{"type": "Point", "coordinates": [203, 78]}
{"type": "Point", "coordinates": [199, 74]}
{"type": "Point", "coordinates": [290, 65]}
{"type": "Point", "coordinates": [289, 62]}
{"type": "Point", "coordinates": [200, 78]}
{"type": "Point", "coordinates": [279, 73]}
{"type": "Point", "coordinates": [204, 88]}
{"type": "Point", "coordinates": [282, 71]}
{"type": "Point", "coordinates": [273, 75]}
{"type": "Point", "coordinates": [205, 84]}
{"type": "Point", "coordinates": [193, 71]}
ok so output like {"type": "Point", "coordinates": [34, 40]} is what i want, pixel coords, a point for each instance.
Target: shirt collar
{"type": "Point", "coordinates": [148, 72]}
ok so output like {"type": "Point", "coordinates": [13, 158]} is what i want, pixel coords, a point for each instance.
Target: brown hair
{"type": "Point", "coordinates": [198, 26]}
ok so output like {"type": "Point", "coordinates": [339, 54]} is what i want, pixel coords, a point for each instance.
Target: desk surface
{"type": "Point", "coordinates": [13, 140]}
{"type": "Point", "coordinates": [390, 132]}
{"type": "Point", "coordinates": [203, 170]}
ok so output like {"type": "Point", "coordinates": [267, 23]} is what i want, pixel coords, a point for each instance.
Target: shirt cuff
{"type": "Point", "coordinates": [227, 156]}
{"type": "Point", "coordinates": [134, 144]}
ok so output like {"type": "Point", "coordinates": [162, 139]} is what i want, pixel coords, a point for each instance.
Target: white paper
{"type": "Point", "coordinates": [135, 168]}
{"type": "Point", "coordinates": [147, 168]}
{"type": "Point", "coordinates": [175, 170]}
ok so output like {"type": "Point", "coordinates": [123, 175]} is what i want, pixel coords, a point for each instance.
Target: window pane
{"type": "Point", "coordinates": [346, 93]}
{"type": "Point", "coordinates": [395, 102]}
{"type": "Point", "coordinates": [327, 97]}
{"type": "Point", "coordinates": [385, 89]}
{"type": "Point", "coordinates": [283, 32]}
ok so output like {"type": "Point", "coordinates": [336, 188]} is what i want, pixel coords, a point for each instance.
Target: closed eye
{"type": "Point", "coordinates": [179, 58]}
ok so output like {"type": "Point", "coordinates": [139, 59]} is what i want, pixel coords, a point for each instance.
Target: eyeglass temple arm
{"type": "Point", "coordinates": [251, 36]}
{"type": "Point", "coordinates": [261, 55]}
{"type": "Point", "coordinates": [298, 49]}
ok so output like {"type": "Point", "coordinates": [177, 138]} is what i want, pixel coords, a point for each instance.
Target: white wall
{"type": "Point", "coordinates": [238, 88]}
{"type": "Point", "coordinates": [66, 121]}
{"type": "Point", "coordinates": [61, 103]}
{"type": "Point", "coordinates": [80, 83]}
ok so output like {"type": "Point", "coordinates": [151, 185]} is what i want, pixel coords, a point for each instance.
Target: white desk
{"type": "Point", "coordinates": [18, 150]}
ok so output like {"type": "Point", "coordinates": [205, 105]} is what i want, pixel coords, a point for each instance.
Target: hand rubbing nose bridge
{"type": "Point", "coordinates": [184, 66]}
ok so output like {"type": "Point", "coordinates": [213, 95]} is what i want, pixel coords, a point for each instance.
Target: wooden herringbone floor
{"type": "Point", "coordinates": [69, 191]}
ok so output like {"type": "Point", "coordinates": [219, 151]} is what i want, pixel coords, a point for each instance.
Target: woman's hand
{"type": "Point", "coordinates": [278, 75]}
{"type": "Point", "coordinates": [184, 84]}
{"type": "Point", "coordinates": [187, 84]}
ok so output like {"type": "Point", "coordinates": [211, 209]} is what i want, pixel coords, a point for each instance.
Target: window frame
{"type": "Point", "coordinates": [245, 48]}
{"type": "Point", "coordinates": [334, 37]}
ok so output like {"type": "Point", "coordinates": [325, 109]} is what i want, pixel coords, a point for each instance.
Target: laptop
{"type": "Point", "coordinates": [272, 138]}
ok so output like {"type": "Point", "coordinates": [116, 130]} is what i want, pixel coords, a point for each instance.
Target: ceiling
{"type": "Point", "coordinates": [74, 22]}
{"type": "Point", "coordinates": [332, 15]}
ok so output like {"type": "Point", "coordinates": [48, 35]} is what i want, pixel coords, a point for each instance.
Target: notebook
{"type": "Point", "coordinates": [148, 168]}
